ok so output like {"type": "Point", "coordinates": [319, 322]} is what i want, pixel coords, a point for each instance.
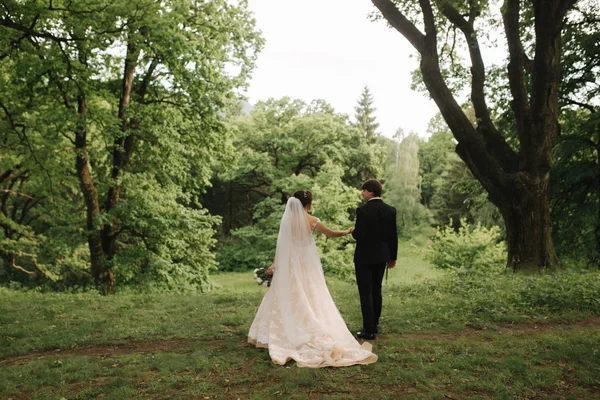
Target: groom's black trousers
{"type": "Point", "coordinates": [369, 278]}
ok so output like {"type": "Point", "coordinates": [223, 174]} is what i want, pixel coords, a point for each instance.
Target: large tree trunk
{"type": "Point", "coordinates": [597, 228]}
{"type": "Point", "coordinates": [102, 274]}
{"type": "Point", "coordinates": [124, 145]}
{"type": "Point", "coordinates": [527, 219]}
{"type": "Point", "coordinates": [121, 152]}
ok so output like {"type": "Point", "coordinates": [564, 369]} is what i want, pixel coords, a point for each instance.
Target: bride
{"type": "Point", "coordinates": [297, 318]}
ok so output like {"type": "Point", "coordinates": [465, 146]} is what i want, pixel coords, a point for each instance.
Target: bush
{"type": "Point", "coordinates": [247, 249]}
{"type": "Point", "coordinates": [337, 257]}
{"type": "Point", "coordinates": [505, 298]}
{"type": "Point", "coordinates": [473, 249]}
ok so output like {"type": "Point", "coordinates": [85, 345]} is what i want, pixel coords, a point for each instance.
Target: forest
{"type": "Point", "coordinates": [140, 189]}
{"type": "Point", "coordinates": [129, 160]}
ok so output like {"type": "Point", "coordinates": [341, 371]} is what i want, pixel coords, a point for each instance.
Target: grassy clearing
{"type": "Point", "coordinates": [503, 338]}
{"type": "Point", "coordinates": [412, 267]}
{"type": "Point", "coordinates": [436, 343]}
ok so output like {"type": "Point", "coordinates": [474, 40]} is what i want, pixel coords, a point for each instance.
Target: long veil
{"type": "Point", "coordinates": [296, 260]}
{"type": "Point", "coordinates": [297, 318]}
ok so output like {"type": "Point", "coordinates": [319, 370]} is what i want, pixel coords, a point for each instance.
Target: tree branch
{"type": "Point", "coordinates": [6, 175]}
{"type": "Point", "coordinates": [22, 135]}
{"type": "Point", "coordinates": [19, 267]}
{"type": "Point", "coordinates": [500, 148]}
{"type": "Point", "coordinates": [391, 13]}
{"type": "Point", "coordinates": [40, 268]}
{"type": "Point", "coordinates": [142, 90]}
{"type": "Point", "coordinates": [9, 116]}
{"type": "Point", "coordinates": [16, 193]}
{"type": "Point", "coordinates": [472, 147]}
{"type": "Point", "coordinates": [430, 29]}
{"type": "Point", "coordinates": [164, 101]}
{"type": "Point", "coordinates": [520, 104]}
{"type": "Point", "coordinates": [29, 31]}
{"type": "Point", "coordinates": [588, 107]}
{"type": "Point", "coordinates": [549, 20]}
{"type": "Point", "coordinates": [29, 204]}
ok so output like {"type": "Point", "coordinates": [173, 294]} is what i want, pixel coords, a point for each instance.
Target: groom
{"type": "Point", "coordinates": [376, 248]}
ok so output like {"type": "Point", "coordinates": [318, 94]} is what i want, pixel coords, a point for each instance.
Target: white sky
{"type": "Point", "coordinates": [328, 49]}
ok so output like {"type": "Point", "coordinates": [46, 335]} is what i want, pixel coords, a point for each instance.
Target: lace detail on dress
{"type": "Point", "coordinates": [312, 228]}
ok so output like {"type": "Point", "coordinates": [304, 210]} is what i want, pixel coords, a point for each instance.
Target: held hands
{"type": "Point", "coordinates": [271, 270]}
{"type": "Point", "coordinates": [391, 264]}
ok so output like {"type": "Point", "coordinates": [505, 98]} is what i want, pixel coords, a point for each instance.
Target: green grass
{"type": "Point", "coordinates": [412, 266]}
{"type": "Point", "coordinates": [436, 343]}
{"type": "Point", "coordinates": [510, 337]}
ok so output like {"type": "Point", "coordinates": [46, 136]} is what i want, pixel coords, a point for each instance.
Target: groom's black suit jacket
{"type": "Point", "coordinates": [375, 233]}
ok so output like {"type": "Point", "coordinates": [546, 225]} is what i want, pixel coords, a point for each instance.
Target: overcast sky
{"type": "Point", "coordinates": [328, 49]}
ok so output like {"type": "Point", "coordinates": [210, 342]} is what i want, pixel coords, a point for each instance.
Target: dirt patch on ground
{"type": "Point", "coordinates": [145, 346]}
{"type": "Point", "coordinates": [516, 329]}
{"type": "Point", "coordinates": [182, 345]}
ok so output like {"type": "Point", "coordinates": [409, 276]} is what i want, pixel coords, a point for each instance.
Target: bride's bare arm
{"type": "Point", "coordinates": [321, 227]}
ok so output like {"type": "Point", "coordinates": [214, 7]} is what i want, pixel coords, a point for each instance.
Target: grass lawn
{"type": "Point", "coordinates": [411, 266]}
{"type": "Point", "coordinates": [433, 345]}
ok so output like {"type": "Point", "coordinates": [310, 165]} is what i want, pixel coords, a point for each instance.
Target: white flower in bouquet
{"type": "Point", "coordinates": [261, 277]}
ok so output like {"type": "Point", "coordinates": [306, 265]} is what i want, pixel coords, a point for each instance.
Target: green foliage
{"type": "Point", "coordinates": [575, 201]}
{"type": "Point", "coordinates": [433, 156]}
{"type": "Point", "coordinates": [282, 146]}
{"type": "Point", "coordinates": [248, 247]}
{"type": "Point", "coordinates": [403, 186]}
{"type": "Point", "coordinates": [253, 246]}
{"type": "Point", "coordinates": [62, 79]}
{"type": "Point", "coordinates": [448, 203]}
{"type": "Point", "coordinates": [509, 294]}
{"type": "Point", "coordinates": [166, 245]}
{"type": "Point", "coordinates": [334, 201]}
{"type": "Point", "coordinates": [471, 249]}
{"type": "Point", "coordinates": [575, 197]}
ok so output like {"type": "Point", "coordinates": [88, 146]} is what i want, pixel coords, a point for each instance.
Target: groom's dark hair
{"type": "Point", "coordinates": [373, 186]}
{"type": "Point", "coordinates": [305, 197]}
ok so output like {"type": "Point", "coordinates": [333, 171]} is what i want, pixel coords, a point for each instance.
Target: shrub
{"type": "Point", "coordinates": [473, 249]}
{"type": "Point", "coordinates": [247, 249]}
{"type": "Point", "coordinates": [508, 297]}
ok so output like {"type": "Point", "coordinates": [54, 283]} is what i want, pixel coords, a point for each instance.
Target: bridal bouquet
{"type": "Point", "coordinates": [261, 277]}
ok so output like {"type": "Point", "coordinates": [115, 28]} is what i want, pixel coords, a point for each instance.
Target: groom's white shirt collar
{"type": "Point", "coordinates": [375, 198]}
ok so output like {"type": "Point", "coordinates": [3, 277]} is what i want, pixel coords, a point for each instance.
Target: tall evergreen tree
{"type": "Point", "coordinates": [365, 115]}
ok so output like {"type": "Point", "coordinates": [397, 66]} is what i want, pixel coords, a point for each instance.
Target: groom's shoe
{"type": "Point", "coordinates": [365, 335]}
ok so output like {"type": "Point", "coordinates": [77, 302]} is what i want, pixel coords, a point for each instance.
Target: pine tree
{"type": "Point", "coordinates": [365, 119]}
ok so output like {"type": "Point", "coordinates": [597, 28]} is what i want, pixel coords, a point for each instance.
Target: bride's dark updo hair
{"type": "Point", "coordinates": [305, 197]}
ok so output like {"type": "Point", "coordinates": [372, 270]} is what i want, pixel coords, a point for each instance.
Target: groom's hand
{"type": "Point", "coordinates": [391, 264]}
{"type": "Point", "coordinates": [270, 270]}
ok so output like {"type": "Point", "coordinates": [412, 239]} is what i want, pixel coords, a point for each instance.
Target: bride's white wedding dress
{"type": "Point", "coordinates": [297, 318]}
